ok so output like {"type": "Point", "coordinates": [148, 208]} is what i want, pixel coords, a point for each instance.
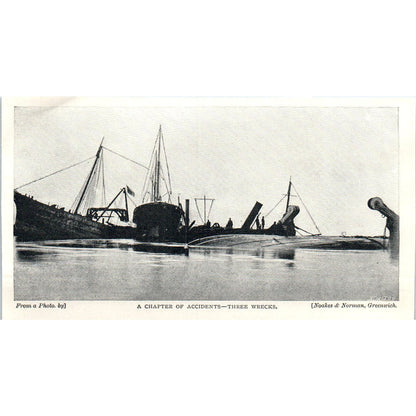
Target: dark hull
{"type": "Point", "coordinates": [158, 221]}
{"type": "Point", "coordinates": [285, 227]}
{"type": "Point", "coordinates": [38, 221]}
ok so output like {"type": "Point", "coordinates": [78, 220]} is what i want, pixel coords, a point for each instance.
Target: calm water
{"type": "Point", "coordinates": [108, 270]}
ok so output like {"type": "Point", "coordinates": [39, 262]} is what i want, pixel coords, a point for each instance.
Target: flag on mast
{"type": "Point", "coordinates": [130, 191]}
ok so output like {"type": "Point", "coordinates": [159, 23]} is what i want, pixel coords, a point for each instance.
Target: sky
{"type": "Point", "coordinates": [338, 157]}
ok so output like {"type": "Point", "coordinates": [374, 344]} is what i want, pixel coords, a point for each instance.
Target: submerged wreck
{"type": "Point", "coordinates": [156, 220]}
{"type": "Point", "coordinates": [253, 224]}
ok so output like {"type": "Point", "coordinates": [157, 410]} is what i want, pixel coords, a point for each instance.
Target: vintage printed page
{"type": "Point", "coordinates": [208, 208]}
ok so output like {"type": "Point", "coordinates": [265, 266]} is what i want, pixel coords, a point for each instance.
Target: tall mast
{"type": "Point", "coordinates": [288, 193]}
{"type": "Point", "coordinates": [97, 157]}
{"type": "Point", "coordinates": [156, 193]}
{"type": "Point", "coordinates": [205, 209]}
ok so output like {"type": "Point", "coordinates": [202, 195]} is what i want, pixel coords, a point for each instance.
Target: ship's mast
{"type": "Point", "coordinates": [205, 218]}
{"type": "Point", "coordinates": [288, 193]}
{"type": "Point", "coordinates": [155, 196]}
{"type": "Point", "coordinates": [153, 185]}
{"type": "Point", "coordinates": [157, 167]}
{"type": "Point", "coordinates": [87, 183]}
{"type": "Point", "coordinates": [205, 209]}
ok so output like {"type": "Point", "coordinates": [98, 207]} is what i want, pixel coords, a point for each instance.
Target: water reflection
{"type": "Point", "coordinates": [161, 248]}
{"type": "Point", "coordinates": [27, 255]}
{"type": "Point", "coordinates": [263, 253]}
{"type": "Point", "coordinates": [287, 254]}
{"type": "Point", "coordinates": [129, 270]}
{"type": "Point", "coordinates": [29, 249]}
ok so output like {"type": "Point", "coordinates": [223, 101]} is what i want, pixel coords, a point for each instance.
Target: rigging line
{"type": "Point", "coordinates": [265, 216]}
{"type": "Point", "coordinates": [131, 200]}
{"type": "Point", "coordinates": [147, 187]}
{"type": "Point", "coordinates": [209, 211]}
{"type": "Point", "coordinates": [197, 208]}
{"type": "Point", "coordinates": [168, 188]}
{"type": "Point", "coordinates": [93, 185]}
{"type": "Point", "coordinates": [152, 169]}
{"type": "Point", "coordinates": [143, 191]}
{"type": "Point", "coordinates": [167, 166]}
{"type": "Point", "coordinates": [314, 223]}
{"type": "Point", "coordinates": [94, 190]}
{"type": "Point", "coordinates": [298, 228]}
{"type": "Point", "coordinates": [149, 173]}
{"type": "Point", "coordinates": [143, 197]}
{"type": "Point", "coordinates": [94, 166]}
{"type": "Point", "coordinates": [102, 181]}
{"type": "Point", "coordinates": [104, 199]}
{"type": "Point", "coordinates": [168, 192]}
{"type": "Point", "coordinates": [77, 198]}
{"type": "Point", "coordinates": [124, 157]}
{"type": "Point", "coordinates": [87, 198]}
{"type": "Point", "coordinates": [91, 194]}
{"type": "Point", "coordinates": [60, 170]}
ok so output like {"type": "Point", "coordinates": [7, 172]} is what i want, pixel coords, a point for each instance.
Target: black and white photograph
{"type": "Point", "coordinates": [206, 203]}
{"type": "Point", "coordinates": [207, 208]}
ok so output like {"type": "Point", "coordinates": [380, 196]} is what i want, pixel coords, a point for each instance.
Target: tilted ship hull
{"type": "Point", "coordinates": [155, 220]}
{"type": "Point", "coordinates": [241, 242]}
{"type": "Point", "coordinates": [38, 221]}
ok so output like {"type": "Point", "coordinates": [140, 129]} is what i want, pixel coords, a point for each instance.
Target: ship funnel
{"type": "Point", "coordinates": [290, 214]}
{"type": "Point", "coordinates": [252, 216]}
{"type": "Point", "coordinates": [286, 223]}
